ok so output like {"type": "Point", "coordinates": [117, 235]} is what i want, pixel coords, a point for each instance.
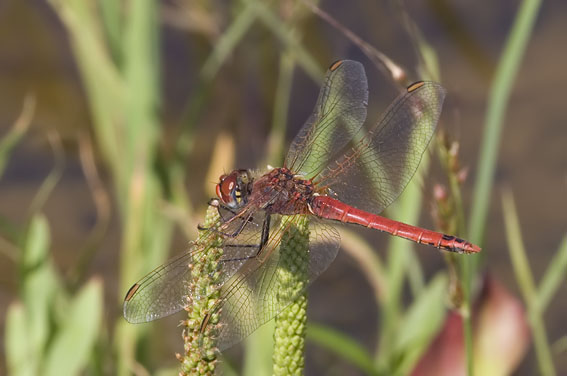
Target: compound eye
{"type": "Point", "coordinates": [225, 189]}
{"type": "Point", "coordinates": [219, 193]}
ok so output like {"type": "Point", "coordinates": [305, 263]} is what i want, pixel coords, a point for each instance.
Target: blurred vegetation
{"type": "Point", "coordinates": [135, 166]}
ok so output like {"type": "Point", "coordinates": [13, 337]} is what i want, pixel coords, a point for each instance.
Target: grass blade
{"type": "Point", "coordinates": [525, 280]}
{"type": "Point", "coordinates": [422, 321]}
{"type": "Point", "coordinates": [228, 41]}
{"type": "Point", "coordinates": [15, 134]}
{"type": "Point", "coordinates": [400, 257]}
{"type": "Point", "coordinates": [288, 38]}
{"type": "Point", "coordinates": [499, 95]}
{"type": "Point", "coordinates": [494, 119]}
{"type": "Point", "coordinates": [553, 276]}
{"type": "Point", "coordinates": [368, 261]}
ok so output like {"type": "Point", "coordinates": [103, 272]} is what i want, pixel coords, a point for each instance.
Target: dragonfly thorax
{"type": "Point", "coordinates": [283, 192]}
{"type": "Point", "coordinates": [234, 189]}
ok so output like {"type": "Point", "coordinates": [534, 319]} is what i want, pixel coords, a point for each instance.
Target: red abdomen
{"type": "Point", "coordinates": [329, 208]}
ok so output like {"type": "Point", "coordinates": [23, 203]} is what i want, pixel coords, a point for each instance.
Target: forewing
{"type": "Point", "coordinates": [166, 289]}
{"type": "Point", "coordinates": [373, 173]}
{"type": "Point", "coordinates": [160, 293]}
{"type": "Point", "coordinates": [257, 292]}
{"type": "Point", "coordinates": [338, 115]}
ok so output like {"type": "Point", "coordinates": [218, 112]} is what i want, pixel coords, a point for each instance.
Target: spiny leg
{"type": "Point", "coordinates": [263, 241]}
{"type": "Point", "coordinates": [215, 203]}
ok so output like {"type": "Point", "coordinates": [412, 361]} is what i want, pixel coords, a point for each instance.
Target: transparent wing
{"type": "Point", "coordinates": [259, 291]}
{"type": "Point", "coordinates": [165, 290]}
{"type": "Point", "coordinates": [338, 115]}
{"type": "Point", "coordinates": [382, 160]}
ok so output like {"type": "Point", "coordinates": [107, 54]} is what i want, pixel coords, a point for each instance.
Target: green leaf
{"type": "Point", "coordinates": [101, 79]}
{"type": "Point", "coordinates": [39, 283]}
{"type": "Point", "coordinates": [20, 360]}
{"type": "Point", "coordinates": [75, 340]}
{"type": "Point", "coordinates": [111, 17]}
{"type": "Point", "coordinates": [421, 323]}
{"type": "Point", "coordinates": [36, 243]}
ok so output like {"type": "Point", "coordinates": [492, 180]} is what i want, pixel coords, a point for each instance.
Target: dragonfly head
{"type": "Point", "coordinates": [233, 189]}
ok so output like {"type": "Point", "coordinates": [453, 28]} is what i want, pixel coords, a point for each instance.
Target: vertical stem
{"type": "Point", "coordinates": [501, 87]}
{"type": "Point", "coordinates": [400, 258]}
{"type": "Point", "coordinates": [293, 277]}
{"type": "Point", "coordinates": [525, 279]}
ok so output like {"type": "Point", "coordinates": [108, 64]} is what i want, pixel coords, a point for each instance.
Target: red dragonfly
{"type": "Point", "coordinates": [335, 170]}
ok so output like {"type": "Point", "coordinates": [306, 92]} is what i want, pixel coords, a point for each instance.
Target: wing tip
{"type": "Point", "coordinates": [416, 85]}
{"type": "Point", "coordinates": [335, 65]}
{"type": "Point", "coordinates": [131, 291]}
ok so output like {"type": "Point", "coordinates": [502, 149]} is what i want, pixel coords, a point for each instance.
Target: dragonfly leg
{"type": "Point", "coordinates": [215, 203]}
{"type": "Point", "coordinates": [223, 209]}
{"type": "Point", "coordinates": [236, 215]}
{"type": "Point", "coordinates": [263, 241]}
{"type": "Point", "coordinates": [233, 234]}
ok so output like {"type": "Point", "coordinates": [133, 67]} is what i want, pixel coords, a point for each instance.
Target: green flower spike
{"type": "Point", "coordinates": [292, 277]}
{"type": "Point", "coordinates": [200, 356]}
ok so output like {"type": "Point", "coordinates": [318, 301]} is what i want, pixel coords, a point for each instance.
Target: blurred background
{"type": "Point", "coordinates": [116, 119]}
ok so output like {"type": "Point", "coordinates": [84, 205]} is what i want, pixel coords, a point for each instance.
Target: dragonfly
{"type": "Point", "coordinates": [337, 170]}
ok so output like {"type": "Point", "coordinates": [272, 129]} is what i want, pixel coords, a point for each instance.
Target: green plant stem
{"type": "Point", "coordinates": [123, 99]}
{"type": "Point", "coordinates": [228, 41]}
{"type": "Point", "coordinates": [525, 280]}
{"type": "Point", "coordinates": [553, 276]}
{"type": "Point", "coordinates": [9, 140]}
{"type": "Point", "coordinates": [499, 95]}
{"type": "Point", "coordinates": [467, 324]}
{"type": "Point", "coordinates": [399, 259]}
{"type": "Point", "coordinates": [287, 37]}
{"type": "Point", "coordinates": [494, 120]}
{"type": "Point", "coordinates": [293, 277]}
